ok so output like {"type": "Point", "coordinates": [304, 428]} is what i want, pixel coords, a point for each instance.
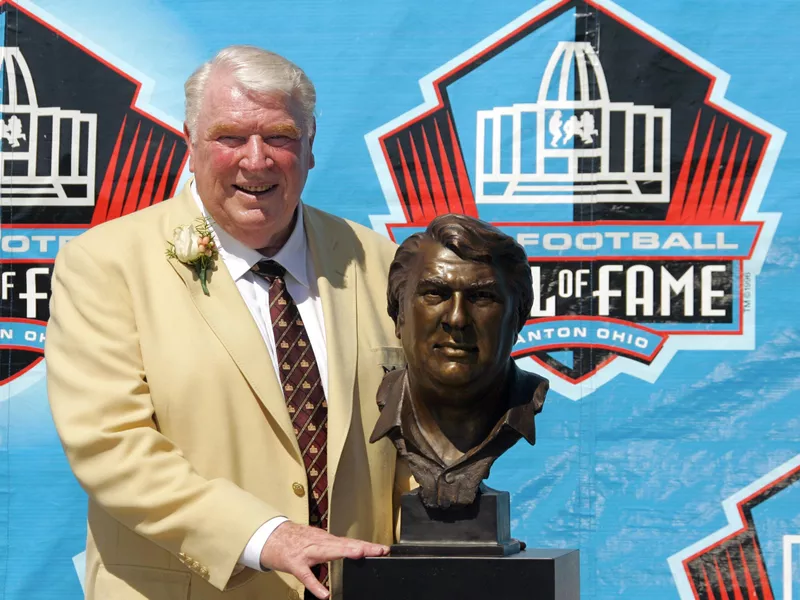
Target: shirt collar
{"type": "Point", "coordinates": [239, 258]}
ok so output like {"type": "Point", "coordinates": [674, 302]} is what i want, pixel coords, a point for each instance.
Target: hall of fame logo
{"type": "Point", "coordinates": [75, 151]}
{"type": "Point", "coordinates": [609, 152]}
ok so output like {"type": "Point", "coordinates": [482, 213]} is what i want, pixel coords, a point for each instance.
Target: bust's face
{"type": "Point", "coordinates": [457, 323]}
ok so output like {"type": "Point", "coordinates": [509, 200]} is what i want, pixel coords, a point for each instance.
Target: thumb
{"type": "Point", "coordinates": [311, 583]}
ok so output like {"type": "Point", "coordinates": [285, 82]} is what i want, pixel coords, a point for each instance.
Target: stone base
{"type": "Point", "coordinates": [530, 574]}
{"type": "Point", "coordinates": [455, 549]}
{"type": "Point", "coordinates": [481, 529]}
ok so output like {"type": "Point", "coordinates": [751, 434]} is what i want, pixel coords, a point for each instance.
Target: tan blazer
{"type": "Point", "coordinates": [173, 420]}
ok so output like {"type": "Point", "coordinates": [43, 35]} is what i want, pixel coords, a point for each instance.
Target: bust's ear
{"type": "Point", "coordinates": [398, 323]}
{"type": "Point", "coordinates": [520, 323]}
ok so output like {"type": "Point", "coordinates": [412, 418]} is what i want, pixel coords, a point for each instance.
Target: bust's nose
{"type": "Point", "coordinates": [456, 316]}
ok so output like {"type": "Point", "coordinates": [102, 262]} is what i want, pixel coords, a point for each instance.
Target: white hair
{"type": "Point", "coordinates": [255, 70]}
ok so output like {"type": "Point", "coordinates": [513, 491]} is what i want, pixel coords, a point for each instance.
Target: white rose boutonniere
{"type": "Point", "coordinates": [194, 245]}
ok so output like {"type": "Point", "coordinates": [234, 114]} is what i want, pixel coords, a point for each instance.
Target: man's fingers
{"type": "Point", "coordinates": [362, 549]}
{"type": "Point", "coordinates": [327, 547]}
{"type": "Point", "coordinates": [368, 548]}
{"type": "Point", "coordinates": [296, 548]}
{"type": "Point", "coordinates": [376, 550]}
{"type": "Point", "coordinates": [329, 551]}
{"type": "Point", "coordinates": [311, 583]}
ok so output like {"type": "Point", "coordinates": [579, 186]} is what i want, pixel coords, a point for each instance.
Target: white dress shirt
{"type": "Point", "coordinates": [301, 283]}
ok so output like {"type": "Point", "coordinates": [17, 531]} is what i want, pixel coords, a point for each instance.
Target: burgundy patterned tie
{"type": "Point", "coordinates": [302, 389]}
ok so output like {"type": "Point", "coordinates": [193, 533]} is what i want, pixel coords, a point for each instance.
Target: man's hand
{"type": "Point", "coordinates": [294, 549]}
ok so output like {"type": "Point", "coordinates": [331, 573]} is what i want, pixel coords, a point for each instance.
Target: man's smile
{"type": "Point", "coordinates": [256, 190]}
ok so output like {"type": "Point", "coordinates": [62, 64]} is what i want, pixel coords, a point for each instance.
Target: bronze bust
{"type": "Point", "coordinates": [459, 293]}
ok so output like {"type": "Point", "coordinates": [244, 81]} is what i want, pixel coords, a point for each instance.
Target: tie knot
{"type": "Point", "coordinates": [268, 269]}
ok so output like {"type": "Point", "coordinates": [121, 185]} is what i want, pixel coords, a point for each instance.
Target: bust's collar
{"type": "Point", "coordinates": [390, 400]}
{"type": "Point", "coordinates": [526, 393]}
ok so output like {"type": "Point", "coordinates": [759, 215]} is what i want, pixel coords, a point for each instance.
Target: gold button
{"type": "Point", "coordinates": [294, 595]}
{"type": "Point", "coordinates": [298, 489]}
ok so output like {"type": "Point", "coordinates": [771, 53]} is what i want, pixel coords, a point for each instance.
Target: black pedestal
{"type": "Point", "coordinates": [530, 574]}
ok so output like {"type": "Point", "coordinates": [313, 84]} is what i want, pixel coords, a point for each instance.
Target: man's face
{"type": "Point", "coordinates": [457, 323]}
{"type": "Point", "coordinates": [251, 159]}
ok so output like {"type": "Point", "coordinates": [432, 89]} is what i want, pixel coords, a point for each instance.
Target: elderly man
{"type": "Point", "coordinates": [213, 363]}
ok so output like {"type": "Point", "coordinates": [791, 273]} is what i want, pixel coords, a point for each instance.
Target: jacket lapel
{"type": "Point", "coordinates": [332, 249]}
{"type": "Point", "coordinates": [230, 320]}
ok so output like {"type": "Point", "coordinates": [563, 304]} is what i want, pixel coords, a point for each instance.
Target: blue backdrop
{"type": "Point", "coordinates": [644, 471]}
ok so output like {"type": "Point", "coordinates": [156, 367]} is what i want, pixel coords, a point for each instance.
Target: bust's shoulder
{"type": "Point", "coordinates": [390, 390]}
{"type": "Point", "coordinates": [390, 400]}
{"type": "Point", "coordinates": [530, 379]}
{"type": "Point", "coordinates": [530, 387]}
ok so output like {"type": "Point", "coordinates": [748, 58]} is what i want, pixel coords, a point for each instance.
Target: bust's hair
{"type": "Point", "coordinates": [470, 239]}
{"type": "Point", "coordinates": [255, 70]}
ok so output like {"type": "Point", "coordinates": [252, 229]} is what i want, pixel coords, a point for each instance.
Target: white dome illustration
{"type": "Point", "coordinates": [25, 128]}
{"type": "Point", "coordinates": [571, 160]}
{"type": "Point", "coordinates": [573, 61]}
{"type": "Point", "coordinates": [12, 65]}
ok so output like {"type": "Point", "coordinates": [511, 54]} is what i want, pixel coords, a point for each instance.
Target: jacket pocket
{"type": "Point", "coordinates": [122, 582]}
